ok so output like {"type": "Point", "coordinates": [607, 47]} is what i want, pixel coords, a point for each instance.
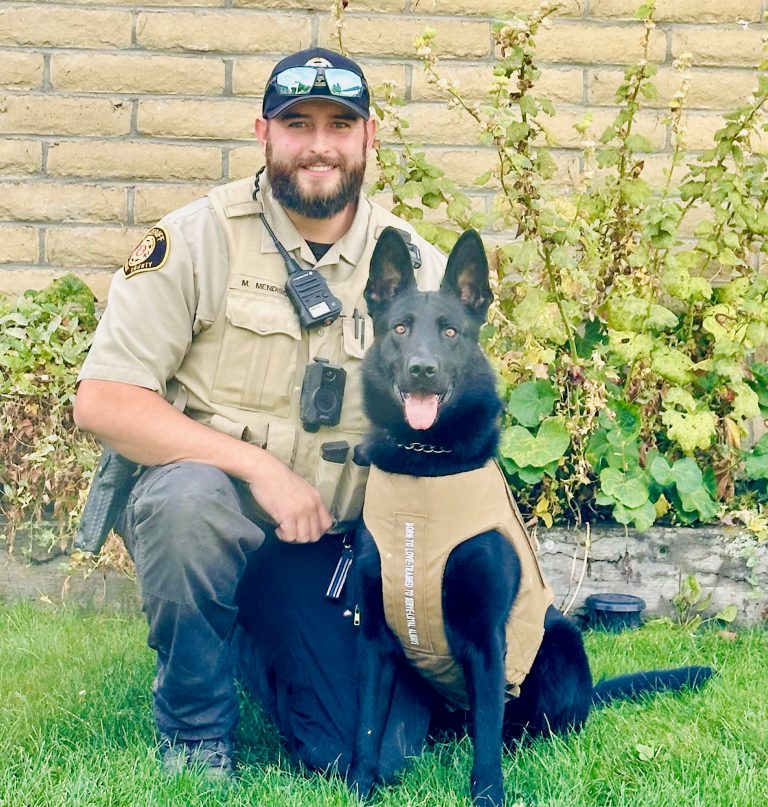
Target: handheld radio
{"type": "Point", "coordinates": [314, 303]}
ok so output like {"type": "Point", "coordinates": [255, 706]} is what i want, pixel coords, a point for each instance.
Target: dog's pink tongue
{"type": "Point", "coordinates": [420, 410]}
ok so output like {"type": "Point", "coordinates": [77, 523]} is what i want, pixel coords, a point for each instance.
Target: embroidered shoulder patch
{"type": "Point", "coordinates": [150, 254]}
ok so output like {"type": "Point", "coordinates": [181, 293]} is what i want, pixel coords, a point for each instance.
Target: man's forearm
{"type": "Point", "coordinates": [142, 426]}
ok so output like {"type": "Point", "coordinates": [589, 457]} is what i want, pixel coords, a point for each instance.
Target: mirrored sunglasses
{"type": "Point", "coordinates": [300, 81]}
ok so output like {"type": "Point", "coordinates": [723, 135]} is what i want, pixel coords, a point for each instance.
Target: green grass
{"type": "Point", "coordinates": [76, 731]}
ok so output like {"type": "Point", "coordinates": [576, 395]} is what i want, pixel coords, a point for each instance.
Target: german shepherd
{"type": "Point", "coordinates": [431, 398]}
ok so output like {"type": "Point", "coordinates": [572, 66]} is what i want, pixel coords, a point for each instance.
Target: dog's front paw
{"type": "Point", "coordinates": [360, 781]}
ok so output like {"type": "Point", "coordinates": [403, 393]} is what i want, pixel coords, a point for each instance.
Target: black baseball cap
{"type": "Point", "coordinates": [344, 84]}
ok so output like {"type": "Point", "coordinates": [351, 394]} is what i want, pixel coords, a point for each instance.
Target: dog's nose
{"type": "Point", "coordinates": [422, 368]}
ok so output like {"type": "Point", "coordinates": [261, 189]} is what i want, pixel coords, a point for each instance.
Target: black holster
{"type": "Point", "coordinates": [112, 484]}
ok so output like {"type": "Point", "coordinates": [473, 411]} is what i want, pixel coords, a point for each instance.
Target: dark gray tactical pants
{"type": "Point", "coordinates": [218, 609]}
{"type": "Point", "coordinates": [186, 528]}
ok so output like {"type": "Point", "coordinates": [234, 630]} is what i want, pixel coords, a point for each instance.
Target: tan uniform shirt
{"type": "Point", "coordinates": [416, 522]}
{"type": "Point", "coordinates": [199, 314]}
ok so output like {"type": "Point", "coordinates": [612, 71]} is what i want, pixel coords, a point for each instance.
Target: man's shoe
{"type": "Point", "coordinates": [213, 758]}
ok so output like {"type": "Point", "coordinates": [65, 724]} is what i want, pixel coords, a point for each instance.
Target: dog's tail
{"type": "Point", "coordinates": [633, 685]}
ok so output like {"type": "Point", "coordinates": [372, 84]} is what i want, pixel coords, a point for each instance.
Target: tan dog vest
{"type": "Point", "coordinates": [416, 522]}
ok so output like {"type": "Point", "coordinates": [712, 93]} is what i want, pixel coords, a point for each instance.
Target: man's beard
{"type": "Point", "coordinates": [286, 189]}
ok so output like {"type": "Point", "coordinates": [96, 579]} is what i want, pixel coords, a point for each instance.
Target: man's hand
{"type": "Point", "coordinates": [295, 506]}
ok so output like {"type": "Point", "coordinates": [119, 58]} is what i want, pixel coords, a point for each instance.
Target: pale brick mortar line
{"type": "Point", "coordinates": [130, 204]}
{"type": "Point", "coordinates": [46, 84]}
{"type": "Point", "coordinates": [134, 29]}
{"type": "Point", "coordinates": [134, 127]}
{"type": "Point", "coordinates": [229, 69]}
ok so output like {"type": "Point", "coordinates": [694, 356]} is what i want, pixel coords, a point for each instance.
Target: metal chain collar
{"type": "Point", "coordinates": [425, 448]}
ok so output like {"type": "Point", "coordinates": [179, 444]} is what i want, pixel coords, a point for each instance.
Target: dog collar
{"type": "Point", "coordinates": [424, 448]}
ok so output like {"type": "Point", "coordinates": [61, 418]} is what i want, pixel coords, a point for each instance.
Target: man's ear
{"type": "Point", "coordinates": [466, 275]}
{"type": "Point", "coordinates": [370, 127]}
{"type": "Point", "coordinates": [391, 272]}
{"type": "Point", "coordinates": [261, 128]}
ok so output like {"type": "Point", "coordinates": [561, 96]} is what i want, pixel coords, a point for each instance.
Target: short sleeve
{"type": "Point", "coordinates": [149, 320]}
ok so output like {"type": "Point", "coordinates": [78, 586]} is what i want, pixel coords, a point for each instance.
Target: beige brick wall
{"type": "Point", "coordinates": [113, 113]}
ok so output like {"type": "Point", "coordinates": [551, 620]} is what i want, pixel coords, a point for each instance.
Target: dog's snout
{"type": "Point", "coordinates": [422, 368]}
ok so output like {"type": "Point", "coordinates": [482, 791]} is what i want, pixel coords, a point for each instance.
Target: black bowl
{"type": "Point", "coordinates": [614, 612]}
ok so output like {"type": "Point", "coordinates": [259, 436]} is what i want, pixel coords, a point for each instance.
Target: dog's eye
{"type": "Point", "coordinates": [400, 329]}
{"type": "Point", "coordinates": [450, 332]}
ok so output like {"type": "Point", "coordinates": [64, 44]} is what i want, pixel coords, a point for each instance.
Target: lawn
{"type": "Point", "coordinates": [76, 731]}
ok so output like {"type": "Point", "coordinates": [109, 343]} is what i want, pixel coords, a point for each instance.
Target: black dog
{"type": "Point", "coordinates": [431, 397]}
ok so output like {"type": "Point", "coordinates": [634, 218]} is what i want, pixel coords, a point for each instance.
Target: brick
{"type": "Point", "coordinates": [693, 218]}
{"type": "Point", "coordinates": [435, 123]}
{"type": "Point", "coordinates": [499, 8]}
{"type": "Point", "coordinates": [474, 80]}
{"type": "Point", "coordinates": [713, 45]}
{"type": "Point", "coordinates": [57, 27]}
{"type": "Point", "coordinates": [48, 114]}
{"type": "Point", "coordinates": [394, 36]}
{"type": "Point", "coordinates": [18, 244]}
{"type": "Point", "coordinates": [22, 71]}
{"type": "Point", "coordinates": [463, 166]}
{"type": "Point", "coordinates": [165, 3]}
{"type": "Point", "coordinates": [152, 202]}
{"type": "Point", "coordinates": [323, 5]}
{"type": "Point", "coordinates": [560, 128]}
{"type": "Point", "coordinates": [20, 156]}
{"type": "Point", "coordinates": [655, 167]}
{"type": "Point", "coordinates": [90, 246]}
{"type": "Point", "coordinates": [230, 32]}
{"type": "Point", "coordinates": [224, 120]}
{"type": "Point", "coordinates": [58, 202]}
{"type": "Point", "coordinates": [710, 89]}
{"type": "Point", "coordinates": [245, 161]}
{"type": "Point", "coordinates": [438, 215]}
{"type": "Point", "coordinates": [594, 43]}
{"type": "Point", "coordinates": [15, 282]}
{"type": "Point", "coordinates": [250, 75]}
{"type": "Point", "coordinates": [101, 72]}
{"type": "Point", "coordinates": [134, 160]}
{"type": "Point", "coordinates": [701, 128]}
{"type": "Point", "coordinates": [693, 11]}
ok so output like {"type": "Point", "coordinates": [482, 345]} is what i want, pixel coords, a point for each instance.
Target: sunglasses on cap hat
{"type": "Point", "coordinates": [294, 81]}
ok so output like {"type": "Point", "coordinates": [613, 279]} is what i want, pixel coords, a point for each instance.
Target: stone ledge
{"type": "Point", "coordinates": [649, 564]}
{"type": "Point", "coordinates": [653, 563]}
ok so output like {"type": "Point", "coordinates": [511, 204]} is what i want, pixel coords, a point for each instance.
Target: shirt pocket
{"type": "Point", "coordinates": [356, 338]}
{"type": "Point", "coordinates": [258, 357]}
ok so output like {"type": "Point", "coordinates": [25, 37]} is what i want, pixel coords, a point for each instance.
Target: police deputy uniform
{"type": "Point", "coordinates": [199, 314]}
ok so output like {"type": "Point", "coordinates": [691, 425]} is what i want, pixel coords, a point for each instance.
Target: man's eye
{"type": "Point", "coordinates": [450, 332]}
{"type": "Point", "coordinates": [400, 329]}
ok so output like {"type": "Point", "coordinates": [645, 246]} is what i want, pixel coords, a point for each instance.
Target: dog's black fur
{"type": "Point", "coordinates": [427, 383]}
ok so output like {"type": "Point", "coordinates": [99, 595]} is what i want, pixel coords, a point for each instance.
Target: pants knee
{"type": "Point", "coordinates": [189, 534]}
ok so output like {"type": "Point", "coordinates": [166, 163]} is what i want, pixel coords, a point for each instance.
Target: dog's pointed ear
{"type": "Point", "coordinates": [390, 273]}
{"type": "Point", "coordinates": [466, 275]}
